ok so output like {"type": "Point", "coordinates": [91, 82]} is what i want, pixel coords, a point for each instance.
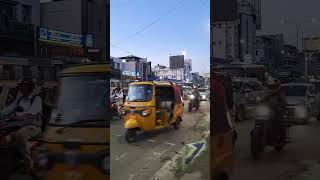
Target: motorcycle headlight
{"type": "Point", "coordinates": [192, 96]}
{"type": "Point", "coordinates": [204, 97]}
{"type": "Point", "coordinates": [301, 112]}
{"type": "Point", "coordinates": [123, 112]}
{"type": "Point", "coordinates": [105, 164]}
{"type": "Point", "coordinates": [263, 111]}
{"type": "Point", "coordinates": [40, 157]}
{"type": "Point", "coordinates": [145, 113]}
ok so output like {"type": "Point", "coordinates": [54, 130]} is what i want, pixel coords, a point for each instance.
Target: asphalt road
{"type": "Point", "coordinates": [298, 156]}
{"type": "Point", "coordinates": [141, 160]}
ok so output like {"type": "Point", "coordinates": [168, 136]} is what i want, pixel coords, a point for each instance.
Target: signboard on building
{"type": "Point", "coordinates": [65, 38]}
{"type": "Point", "coordinates": [311, 44]}
{"type": "Point", "coordinates": [130, 73]}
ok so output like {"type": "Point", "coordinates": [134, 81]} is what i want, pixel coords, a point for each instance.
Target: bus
{"type": "Point", "coordinates": [243, 70]}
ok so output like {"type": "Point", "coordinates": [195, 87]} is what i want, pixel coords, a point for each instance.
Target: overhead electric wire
{"type": "Point", "coordinates": [124, 50]}
{"type": "Point", "coordinates": [153, 22]}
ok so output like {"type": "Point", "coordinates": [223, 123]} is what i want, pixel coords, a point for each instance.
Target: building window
{"type": "Point", "coordinates": [26, 13]}
{"type": "Point", "coordinates": [214, 43]}
{"type": "Point", "coordinates": [220, 42]}
{"type": "Point", "coordinates": [219, 26]}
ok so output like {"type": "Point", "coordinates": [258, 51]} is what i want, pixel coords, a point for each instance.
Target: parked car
{"type": "Point", "coordinates": [302, 100]}
{"type": "Point", "coordinates": [204, 94]}
{"type": "Point", "coordinates": [247, 93]}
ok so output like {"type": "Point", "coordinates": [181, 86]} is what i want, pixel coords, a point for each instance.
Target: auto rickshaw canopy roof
{"type": "Point", "coordinates": [156, 83]}
{"type": "Point", "coordinates": [91, 68]}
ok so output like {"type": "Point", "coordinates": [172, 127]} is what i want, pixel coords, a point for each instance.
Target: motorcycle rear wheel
{"type": "Point", "coordinates": [255, 145]}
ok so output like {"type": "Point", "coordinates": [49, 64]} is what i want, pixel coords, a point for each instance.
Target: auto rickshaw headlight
{"type": "Point", "coordinates": [145, 113]}
{"type": "Point", "coordinates": [105, 164]}
{"type": "Point", "coordinates": [192, 96]}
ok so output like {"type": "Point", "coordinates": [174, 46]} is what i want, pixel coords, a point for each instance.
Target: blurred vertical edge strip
{"type": "Point", "coordinates": [107, 59]}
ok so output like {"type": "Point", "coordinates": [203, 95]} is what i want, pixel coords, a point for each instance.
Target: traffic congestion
{"type": "Point", "coordinates": [264, 113]}
{"type": "Point", "coordinates": [151, 126]}
{"type": "Point", "coordinates": [57, 130]}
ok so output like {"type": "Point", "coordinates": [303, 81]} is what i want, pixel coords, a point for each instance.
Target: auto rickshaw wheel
{"type": "Point", "coordinates": [131, 135]}
{"type": "Point", "coordinates": [177, 124]}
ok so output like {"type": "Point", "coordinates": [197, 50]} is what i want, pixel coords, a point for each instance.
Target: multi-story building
{"type": "Point", "coordinates": [270, 51]}
{"type": "Point", "coordinates": [225, 41]}
{"type": "Point", "coordinates": [136, 68]}
{"type": "Point", "coordinates": [223, 31]}
{"type": "Point", "coordinates": [166, 73]}
{"type": "Point", "coordinates": [18, 22]}
{"type": "Point", "coordinates": [311, 53]}
{"type": "Point", "coordinates": [188, 69]}
{"type": "Point", "coordinates": [234, 30]}
{"type": "Point", "coordinates": [176, 61]}
{"type": "Point", "coordinates": [88, 17]}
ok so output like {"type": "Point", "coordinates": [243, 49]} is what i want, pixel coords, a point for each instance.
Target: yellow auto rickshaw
{"type": "Point", "coordinates": [223, 135]}
{"type": "Point", "coordinates": [151, 106]}
{"type": "Point", "coordinates": [75, 144]}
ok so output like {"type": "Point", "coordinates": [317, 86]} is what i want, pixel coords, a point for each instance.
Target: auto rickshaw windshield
{"type": "Point", "coordinates": [140, 93]}
{"type": "Point", "coordinates": [83, 98]}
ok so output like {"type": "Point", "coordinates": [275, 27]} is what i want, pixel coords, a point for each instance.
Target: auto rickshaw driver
{"type": "Point", "coordinates": [150, 106]}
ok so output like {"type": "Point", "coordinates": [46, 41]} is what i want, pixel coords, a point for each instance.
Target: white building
{"type": "Point", "coordinates": [117, 63]}
{"type": "Point", "coordinates": [225, 41]}
{"type": "Point", "coordinates": [169, 74]}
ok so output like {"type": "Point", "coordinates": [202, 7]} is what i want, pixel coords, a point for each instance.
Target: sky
{"type": "Point", "coordinates": [186, 28]}
{"type": "Point", "coordinates": [295, 12]}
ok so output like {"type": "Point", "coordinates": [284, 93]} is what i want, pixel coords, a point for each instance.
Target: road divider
{"type": "Point", "coordinates": [179, 163]}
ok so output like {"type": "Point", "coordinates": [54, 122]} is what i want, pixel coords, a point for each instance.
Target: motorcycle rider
{"type": "Point", "coordinates": [27, 107]}
{"type": "Point", "coordinates": [276, 100]}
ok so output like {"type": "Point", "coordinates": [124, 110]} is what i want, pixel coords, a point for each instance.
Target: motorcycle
{"type": "Point", "coordinates": [263, 133]}
{"type": "Point", "coordinates": [194, 102]}
{"type": "Point", "coordinates": [116, 104]}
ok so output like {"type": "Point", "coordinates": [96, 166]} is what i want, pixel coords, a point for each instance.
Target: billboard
{"type": "Point", "coordinates": [60, 37]}
{"type": "Point", "coordinates": [311, 44]}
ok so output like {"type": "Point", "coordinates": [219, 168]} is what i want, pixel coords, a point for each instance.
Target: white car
{"type": "Point", "coordinates": [204, 94]}
{"type": "Point", "coordinates": [300, 101]}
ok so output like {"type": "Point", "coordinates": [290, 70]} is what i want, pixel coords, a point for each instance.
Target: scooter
{"type": "Point", "coordinates": [262, 134]}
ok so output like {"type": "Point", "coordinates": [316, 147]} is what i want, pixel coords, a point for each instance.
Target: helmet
{"type": "Point", "coordinates": [27, 81]}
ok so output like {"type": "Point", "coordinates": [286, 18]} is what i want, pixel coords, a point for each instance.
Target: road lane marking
{"type": "Point", "coordinates": [150, 140]}
{"type": "Point", "coordinates": [171, 144]}
{"type": "Point", "coordinates": [122, 156]}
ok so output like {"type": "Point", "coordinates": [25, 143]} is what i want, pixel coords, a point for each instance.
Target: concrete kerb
{"type": "Point", "coordinates": [181, 161]}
